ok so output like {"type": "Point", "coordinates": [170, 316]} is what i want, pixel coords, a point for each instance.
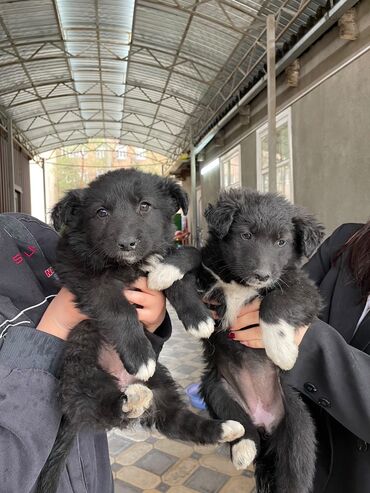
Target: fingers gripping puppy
{"type": "Point", "coordinates": [110, 232]}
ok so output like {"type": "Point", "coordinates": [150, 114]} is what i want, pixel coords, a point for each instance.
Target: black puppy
{"type": "Point", "coordinates": [112, 232]}
{"type": "Point", "coordinates": [255, 246]}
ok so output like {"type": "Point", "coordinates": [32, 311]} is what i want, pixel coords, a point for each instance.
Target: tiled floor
{"type": "Point", "coordinates": [145, 462]}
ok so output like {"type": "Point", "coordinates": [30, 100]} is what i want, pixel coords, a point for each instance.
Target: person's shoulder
{"type": "Point", "coordinates": [340, 236]}
{"type": "Point", "coordinates": [26, 228]}
{"type": "Point", "coordinates": [344, 232]}
{"type": "Point", "coordinates": [28, 221]}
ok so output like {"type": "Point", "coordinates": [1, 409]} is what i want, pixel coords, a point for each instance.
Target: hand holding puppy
{"type": "Point", "coordinates": [247, 331]}
{"type": "Point", "coordinates": [62, 314]}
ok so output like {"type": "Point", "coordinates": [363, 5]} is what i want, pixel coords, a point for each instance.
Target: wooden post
{"type": "Point", "coordinates": [271, 100]}
{"type": "Point", "coordinates": [11, 186]}
{"type": "Point", "coordinates": [193, 175]}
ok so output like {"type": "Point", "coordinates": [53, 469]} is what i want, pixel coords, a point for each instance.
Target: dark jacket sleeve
{"type": "Point", "coordinates": [161, 335]}
{"type": "Point", "coordinates": [29, 409]}
{"type": "Point", "coordinates": [340, 375]}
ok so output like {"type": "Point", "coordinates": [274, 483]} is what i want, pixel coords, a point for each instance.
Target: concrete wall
{"type": "Point", "coordinates": [330, 128]}
{"type": "Point", "coordinates": [331, 146]}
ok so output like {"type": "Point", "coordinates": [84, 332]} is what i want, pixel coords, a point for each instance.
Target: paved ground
{"type": "Point", "coordinates": [146, 462]}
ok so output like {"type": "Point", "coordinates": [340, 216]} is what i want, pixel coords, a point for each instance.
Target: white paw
{"type": "Point", "coordinates": [279, 343]}
{"type": "Point", "coordinates": [231, 430]}
{"type": "Point", "coordinates": [243, 453]}
{"type": "Point", "coordinates": [152, 262]}
{"type": "Point", "coordinates": [146, 370]}
{"type": "Point", "coordinates": [203, 330]}
{"type": "Point", "coordinates": [164, 276]}
{"type": "Point", "coordinates": [139, 399]}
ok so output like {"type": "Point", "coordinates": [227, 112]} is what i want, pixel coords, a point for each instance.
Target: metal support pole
{"type": "Point", "coordinates": [193, 175]}
{"type": "Point", "coordinates": [44, 187]}
{"type": "Point", "coordinates": [271, 100]}
{"type": "Point", "coordinates": [11, 184]}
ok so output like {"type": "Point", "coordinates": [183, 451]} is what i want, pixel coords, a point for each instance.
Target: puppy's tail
{"type": "Point", "coordinates": [50, 473]}
{"type": "Point", "coordinates": [288, 464]}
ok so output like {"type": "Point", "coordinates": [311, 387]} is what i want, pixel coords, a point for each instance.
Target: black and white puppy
{"type": "Point", "coordinates": [255, 247]}
{"type": "Point", "coordinates": [111, 232]}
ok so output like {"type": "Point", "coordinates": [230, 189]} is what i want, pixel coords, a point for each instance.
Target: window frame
{"type": "Point", "coordinates": [227, 157]}
{"type": "Point", "coordinates": [281, 118]}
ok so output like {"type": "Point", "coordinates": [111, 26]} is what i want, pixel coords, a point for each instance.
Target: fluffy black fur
{"type": "Point", "coordinates": [255, 247]}
{"type": "Point", "coordinates": [112, 232]}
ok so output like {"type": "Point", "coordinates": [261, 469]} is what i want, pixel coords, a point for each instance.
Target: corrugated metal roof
{"type": "Point", "coordinates": [146, 72]}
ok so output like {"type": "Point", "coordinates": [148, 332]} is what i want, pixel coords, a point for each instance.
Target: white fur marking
{"type": "Point", "coordinates": [279, 343]}
{"type": "Point", "coordinates": [204, 329]}
{"type": "Point", "coordinates": [152, 262]}
{"type": "Point", "coordinates": [163, 276]}
{"type": "Point", "coordinates": [139, 399]}
{"type": "Point", "coordinates": [236, 296]}
{"type": "Point", "coordinates": [231, 430]}
{"type": "Point", "coordinates": [243, 453]}
{"type": "Point", "coordinates": [146, 370]}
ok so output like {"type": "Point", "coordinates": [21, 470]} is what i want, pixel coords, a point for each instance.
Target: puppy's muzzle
{"type": "Point", "coordinates": [128, 244]}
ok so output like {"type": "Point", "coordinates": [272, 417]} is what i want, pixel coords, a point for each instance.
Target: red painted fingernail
{"type": "Point", "coordinates": [231, 335]}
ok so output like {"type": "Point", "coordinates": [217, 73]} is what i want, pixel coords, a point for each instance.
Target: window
{"type": "Point", "coordinates": [100, 153]}
{"type": "Point", "coordinates": [230, 169]}
{"type": "Point", "coordinates": [121, 153]}
{"type": "Point", "coordinates": [140, 154]}
{"type": "Point", "coordinates": [284, 162]}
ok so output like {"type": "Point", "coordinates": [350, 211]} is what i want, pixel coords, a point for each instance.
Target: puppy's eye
{"type": "Point", "coordinates": [281, 243]}
{"type": "Point", "coordinates": [144, 207]}
{"type": "Point", "coordinates": [246, 236]}
{"type": "Point", "coordinates": [102, 212]}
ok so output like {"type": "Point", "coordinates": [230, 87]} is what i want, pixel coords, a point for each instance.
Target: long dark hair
{"type": "Point", "coordinates": [358, 257]}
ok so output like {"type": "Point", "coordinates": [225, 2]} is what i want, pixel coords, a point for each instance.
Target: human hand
{"type": "Point", "coordinates": [151, 304]}
{"type": "Point", "coordinates": [247, 331]}
{"type": "Point", "coordinates": [62, 314]}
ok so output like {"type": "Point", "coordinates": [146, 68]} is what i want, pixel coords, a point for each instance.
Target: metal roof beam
{"type": "Point", "coordinates": [307, 40]}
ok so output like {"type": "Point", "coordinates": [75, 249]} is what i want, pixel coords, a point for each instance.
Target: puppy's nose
{"type": "Point", "coordinates": [262, 276]}
{"type": "Point", "coordinates": [128, 244]}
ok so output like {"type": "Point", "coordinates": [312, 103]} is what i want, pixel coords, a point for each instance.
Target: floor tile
{"type": "Point", "coordinates": [206, 481]}
{"type": "Point", "coordinates": [134, 453]}
{"type": "Point", "coordinates": [139, 478]}
{"type": "Point", "coordinates": [237, 485]}
{"type": "Point", "coordinates": [121, 487]}
{"type": "Point", "coordinates": [156, 461]}
{"type": "Point", "coordinates": [180, 471]}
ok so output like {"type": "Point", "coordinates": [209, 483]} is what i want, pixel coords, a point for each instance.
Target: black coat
{"type": "Point", "coordinates": [333, 373]}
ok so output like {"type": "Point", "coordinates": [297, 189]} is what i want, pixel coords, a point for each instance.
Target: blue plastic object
{"type": "Point", "coordinates": [195, 399]}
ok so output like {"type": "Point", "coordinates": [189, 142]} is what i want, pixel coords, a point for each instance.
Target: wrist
{"type": "Point", "coordinates": [61, 315]}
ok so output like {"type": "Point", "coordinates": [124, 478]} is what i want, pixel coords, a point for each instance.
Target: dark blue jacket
{"type": "Point", "coordinates": [30, 362]}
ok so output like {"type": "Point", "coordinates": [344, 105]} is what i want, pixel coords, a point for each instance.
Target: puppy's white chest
{"type": "Point", "coordinates": [236, 296]}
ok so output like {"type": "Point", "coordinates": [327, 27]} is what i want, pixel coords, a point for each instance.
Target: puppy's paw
{"type": "Point", "coordinates": [163, 276]}
{"type": "Point", "coordinates": [203, 330]}
{"type": "Point", "coordinates": [138, 399]}
{"type": "Point", "coordinates": [146, 370]}
{"type": "Point", "coordinates": [279, 343]}
{"type": "Point", "coordinates": [243, 453]}
{"type": "Point", "coordinates": [151, 262]}
{"type": "Point", "coordinates": [231, 430]}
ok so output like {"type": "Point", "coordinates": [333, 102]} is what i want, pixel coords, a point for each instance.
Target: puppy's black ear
{"type": "Point", "coordinates": [65, 210]}
{"type": "Point", "coordinates": [220, 217]}
{"type": "Point", "coordinates": [308, 232]}
{"type": "Point", "coordinates": [179, 195]}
